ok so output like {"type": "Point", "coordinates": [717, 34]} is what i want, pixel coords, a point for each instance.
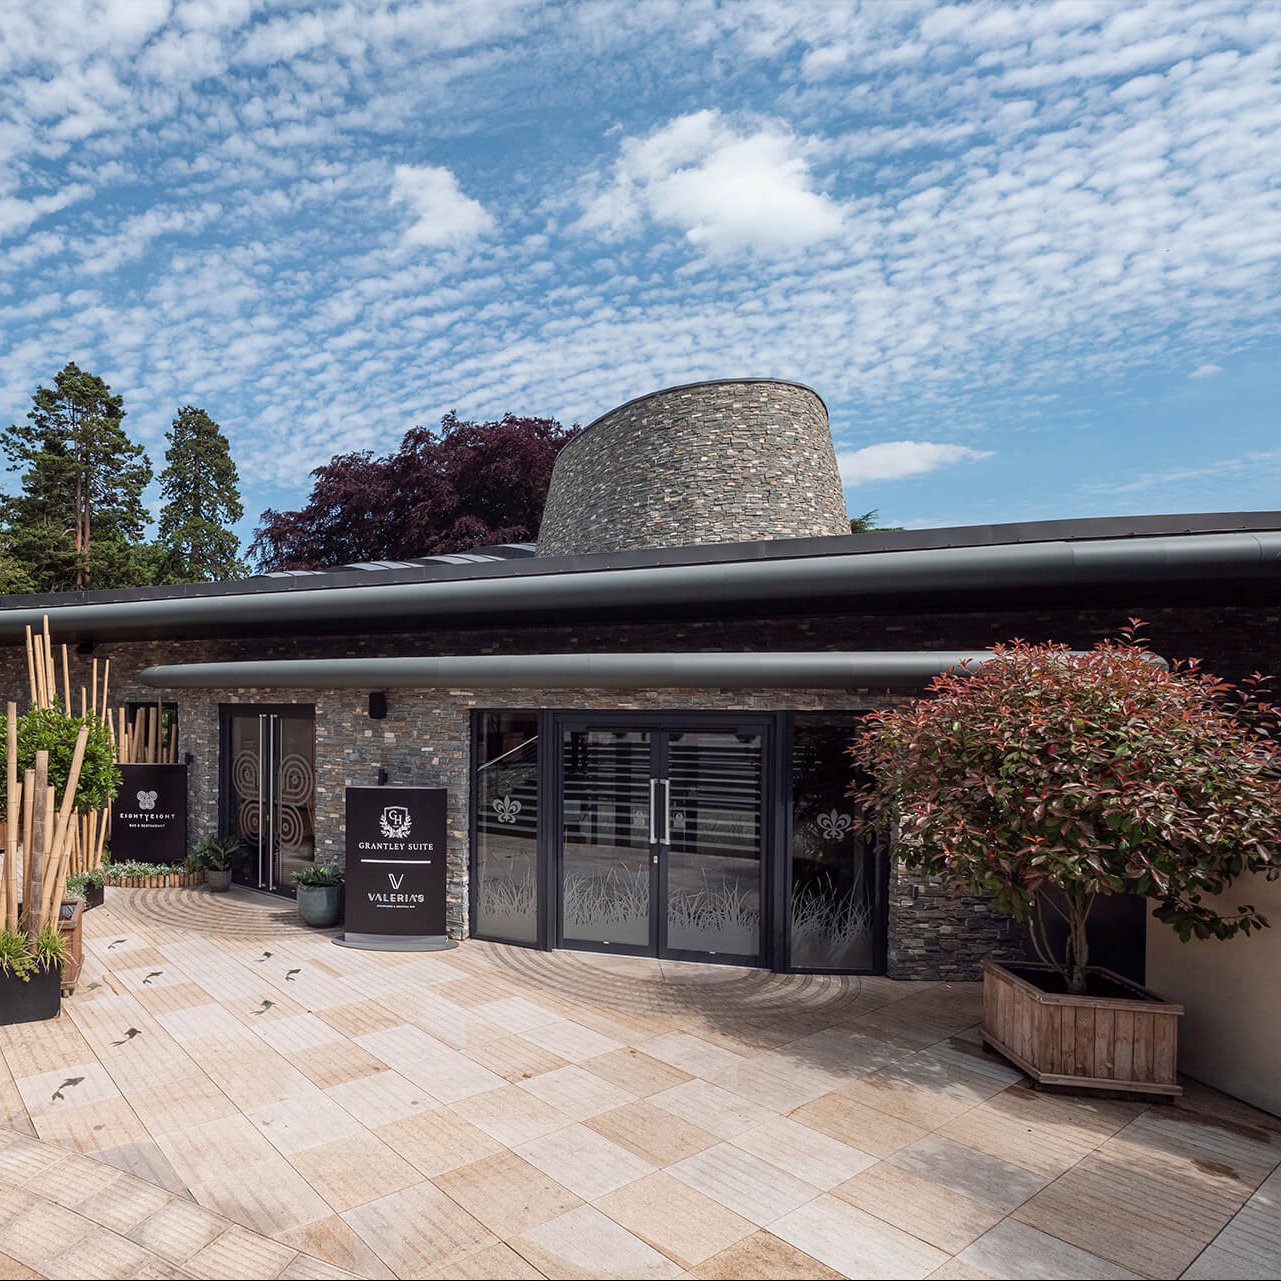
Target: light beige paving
{"type": "Point", "coordinates": [228, 1095]}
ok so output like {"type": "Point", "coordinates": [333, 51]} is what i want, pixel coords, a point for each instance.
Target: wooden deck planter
{"type": "Point", "coordinates": [1087, 1042]}
{"type": "Point", "coordinates": [71, 927]}
{"type": "Point", "coordinates": [174, 880]}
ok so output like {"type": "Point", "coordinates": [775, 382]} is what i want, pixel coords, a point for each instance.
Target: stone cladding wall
{"type": "Point", "coordinates": [425, 739]}
{"type": "Point", "coordinates": [713, 462]}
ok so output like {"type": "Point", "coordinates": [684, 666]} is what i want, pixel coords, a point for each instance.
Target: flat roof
{"type": "Point", "coordinates": [516, 561]}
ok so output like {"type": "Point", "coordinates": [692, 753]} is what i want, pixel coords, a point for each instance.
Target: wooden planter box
{"type": "Point", "coordinates": [1087, 1042]}
{"type": "Point", "coordinates": [176, 880]}
{"type": "Point", "coordinates": [71, 927]}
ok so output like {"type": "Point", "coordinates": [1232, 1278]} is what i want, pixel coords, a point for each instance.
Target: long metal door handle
{"type": "Point", "coordinates": [653, 783]}
{"type": "Point", "coordinates": [667, 812]}
{"type": "Point", "coordinates": [263, 818]}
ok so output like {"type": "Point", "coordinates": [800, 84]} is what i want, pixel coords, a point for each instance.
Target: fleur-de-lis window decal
{"type": "Point", "coordinates": [506, 808]}
{"type": "Point", "coordinates": [833, 825]}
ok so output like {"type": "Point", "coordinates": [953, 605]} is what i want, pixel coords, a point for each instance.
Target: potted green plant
{"type": "Point", "coordinates": [1046, 779]}
{"type": "Point", "coordinates": [219, 856]}
{"type": "Point", "coordinates": [88, 887]}
{"type": "Point", "coordinates": [30, 979]}
{"type": "Point", "coordinates": [319, 894]}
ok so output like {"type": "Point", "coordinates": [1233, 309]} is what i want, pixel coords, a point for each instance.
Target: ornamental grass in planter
{"type": "Point", "coordinates": [1047, 779]}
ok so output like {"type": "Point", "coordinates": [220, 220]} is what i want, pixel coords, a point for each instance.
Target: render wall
{"type": "Point", "coordinates": [1230, 1034]}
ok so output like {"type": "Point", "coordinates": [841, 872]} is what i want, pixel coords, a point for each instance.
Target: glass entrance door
{"type": "Point", "coordinates": [609, 841]}
{"type": "Point", "coordinates": [662, 841]}
{"type": "Point", "coordinates": [269, 785]}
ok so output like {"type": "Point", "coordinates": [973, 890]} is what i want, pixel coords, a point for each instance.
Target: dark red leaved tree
{"type": "Point", "coordinates": [467, 485]}
{"type": "Point", "coordinates": [1083, 775]}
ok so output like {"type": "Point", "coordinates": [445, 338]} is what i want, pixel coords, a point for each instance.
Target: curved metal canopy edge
{"type": "Point", "coordinates": [808, 670]}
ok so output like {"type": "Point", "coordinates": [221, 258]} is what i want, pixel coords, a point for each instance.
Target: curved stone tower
{"type": "Point", "coordinates": [717, 462]}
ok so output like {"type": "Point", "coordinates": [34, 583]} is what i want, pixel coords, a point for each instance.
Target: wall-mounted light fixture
{"type": "Point", "coordinates": [382, 776]}
{"type": "Point", "coordinates": [84, 647]}
{"type": "Point", "coordinates": [377, 706]}
{"type": "Point", "coordinates": [188, 758]}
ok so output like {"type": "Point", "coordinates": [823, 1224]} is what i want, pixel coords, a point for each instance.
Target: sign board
{"type": "Point", "coordinates": [395, 893]}
{"type": "Point", "coordinates": [149, 815]}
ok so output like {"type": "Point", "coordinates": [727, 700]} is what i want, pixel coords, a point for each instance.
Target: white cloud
{"type": "Point", "coordinates": [897, 459]}
{"type": "Point", "coordinates": [16, 215]}
{"type": "Point", "coordinates": [1208, 370]}
{"type": "Point", "coordinates": [725, 189]}
{"type": "Point", "coordinates": [444, 216]}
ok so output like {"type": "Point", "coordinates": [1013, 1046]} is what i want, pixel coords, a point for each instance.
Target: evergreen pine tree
{"type": "Point", "coordinates": [202, 501]}
{"type": "Point", "coordinates": [79, 517]}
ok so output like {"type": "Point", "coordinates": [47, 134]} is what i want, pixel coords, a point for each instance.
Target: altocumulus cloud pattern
{"type": "Point", "coordinates": [1015, 247]}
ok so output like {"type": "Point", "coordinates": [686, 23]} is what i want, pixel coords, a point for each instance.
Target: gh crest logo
{"type": "Point", "coordinates": [394, 822]}
{"type": "Point", "coordinates": [146, 800]}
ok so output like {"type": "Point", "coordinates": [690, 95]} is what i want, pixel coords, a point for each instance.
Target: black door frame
{"type": "Point", "coordinates": [658, 724]}
{"type": "Point", "coordinates": [226, 713]}
{"type": "Point", "coordinates": [776, 822]}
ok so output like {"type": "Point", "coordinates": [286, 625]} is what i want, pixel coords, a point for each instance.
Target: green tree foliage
{"type": "Point", "coordinates": [79, 517]}
{"type": "Point", "coordinates": [866, 524]}
{"type": "Point", "coordinates": [1046, 778]}
{"type": "Point", "coordinates": [47, 729]}
{"type": "Point", "coordinates": [202, 501]}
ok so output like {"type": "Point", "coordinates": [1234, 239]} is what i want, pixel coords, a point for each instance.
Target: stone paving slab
{"type": "Point", "coordinates": [228, 1095]}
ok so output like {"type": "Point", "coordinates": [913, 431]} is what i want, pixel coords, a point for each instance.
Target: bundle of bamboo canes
{"type": "Point", "coordinates": [44, 829]}
{"type": "Point", "coordinates": [146, 740]}
{"type": "Point", "coordinates": [89, 831]}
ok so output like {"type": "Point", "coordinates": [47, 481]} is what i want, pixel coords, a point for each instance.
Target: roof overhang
{"type": "Point", "coordinates": [584, 588]}
{"type": "Point", "coordinates": [849, 670]}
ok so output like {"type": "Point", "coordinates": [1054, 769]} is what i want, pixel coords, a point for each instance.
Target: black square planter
{"type": "Point", "coordinates": [33, 1001]}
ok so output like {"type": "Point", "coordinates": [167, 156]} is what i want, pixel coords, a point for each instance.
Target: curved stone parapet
{"type": "Point", "coordinates": [716, 462]}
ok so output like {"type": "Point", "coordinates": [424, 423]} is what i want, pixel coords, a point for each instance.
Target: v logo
{"type": "Point", "coordinates": [396, 881]}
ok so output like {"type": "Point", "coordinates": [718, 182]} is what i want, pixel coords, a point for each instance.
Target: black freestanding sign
{"type": "Point", "coordinates": [149, 815]}
{"type": "Point", "coordinates": [395, 896]}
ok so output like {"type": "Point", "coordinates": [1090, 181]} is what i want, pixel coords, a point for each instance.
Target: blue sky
{"type": "Point", "coordinates": [1029, 254]}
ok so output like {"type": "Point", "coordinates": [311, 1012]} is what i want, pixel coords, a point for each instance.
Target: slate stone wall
{"type": "Point", "coordinates": [712, 462]}
{"type": "Point", "coordinates": [425, 739]}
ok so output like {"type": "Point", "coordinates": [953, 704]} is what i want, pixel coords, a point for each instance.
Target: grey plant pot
{"type": "Point", "coordinates": [218, 881]}
{"type": "Point", "coordinates": [320, 905]}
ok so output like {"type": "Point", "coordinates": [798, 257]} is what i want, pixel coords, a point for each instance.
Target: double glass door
{"type": "Point", "coordinates": [662, 840]}
{"type": "Point", "coordinates": [269, 786]}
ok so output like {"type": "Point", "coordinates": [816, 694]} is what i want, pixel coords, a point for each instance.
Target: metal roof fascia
{"type": "Point", "coordinates": [813, 670]}
{"type": "Point", "coordinates": [1080, 564]}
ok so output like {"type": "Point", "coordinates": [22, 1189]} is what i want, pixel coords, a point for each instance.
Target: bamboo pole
{"type": "Point", "coordinates": [66, 683]}
{"type": "Point", "coordinates": [37, 650]}
{"type": "Point", "coordinates": [36, 849]}
{"type": "Point", "coordinates": [13, 811]}
{"type": "Point", "coordinates": [28, 823]}
{"type": "Point", "coordinates": [94, 686]}
{"type": "Point", "coordinates": [106, 673]}
{"type": "Point", "coordinates": [31, 664]}
{"type": "Point", "coordinates": [60, 848]}
{"type": "Point", "coordinates": [103, 828]}
{"type": "Point", "coordinates": [51, 679]}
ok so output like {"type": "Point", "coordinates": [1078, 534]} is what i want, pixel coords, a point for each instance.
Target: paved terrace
{"type": "Point", "coordinates": [228, 1095]}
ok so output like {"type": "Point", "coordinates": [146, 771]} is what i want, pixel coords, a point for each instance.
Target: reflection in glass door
{"type": "Point", "coordinates": [662, 841]}
{"type": "Point", "coordinates": [713, 854]}
{"type": "Point", "coordinates": [269, 763]}
{"type": "Point", "coordinates": [608, 839]}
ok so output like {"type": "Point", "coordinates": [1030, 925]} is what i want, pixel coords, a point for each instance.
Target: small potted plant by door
{"type": "Point", "coordinates": [219, 856]}
{"type": "Point", "coordinates": [320, 894]}
{"type": "Point", "coordinates": [1045, 779]}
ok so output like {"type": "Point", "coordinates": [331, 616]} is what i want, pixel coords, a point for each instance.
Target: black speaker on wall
{"type": "Point", "coordinates": [378, 707]}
